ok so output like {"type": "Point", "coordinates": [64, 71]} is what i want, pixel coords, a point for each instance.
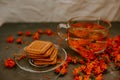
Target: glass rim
{"type": "Point", "coordinates": [96, 18]}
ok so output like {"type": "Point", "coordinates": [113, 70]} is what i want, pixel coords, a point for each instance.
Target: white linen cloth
{"type": "Point", "coordinates": [57, 10]}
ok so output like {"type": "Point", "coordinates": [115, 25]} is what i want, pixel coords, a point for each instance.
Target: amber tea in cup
{"type": "Point", "coordinates": [86, 34]}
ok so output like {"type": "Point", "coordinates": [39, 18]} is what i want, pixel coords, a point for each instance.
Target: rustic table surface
{"type": "Point", "coordinates": [16, 73]}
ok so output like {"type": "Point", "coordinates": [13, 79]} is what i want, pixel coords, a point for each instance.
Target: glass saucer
{"type": "Point", "coordinates": [27, 65]}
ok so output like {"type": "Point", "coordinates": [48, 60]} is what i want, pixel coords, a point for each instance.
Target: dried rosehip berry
{"type": "Point", "coordinates": [69, 58]}
{"type": "Point", "coordinates": [74, 60]}
{"type": "Point", "coordinates": [40, 31]}
{"type": "Point", "coordinates": [20, 33]}
{"type": "Point", "coordinates": [48, 32]}
{"type": "Point", "coordinates": [63, 71]}
{"type": "Point", "coordinates": [28, 33]}
{"type": "Point", "coordinates": [9, 62]}
{"type": "Point", "coordinates": [81, 61]}
{"type": "Point", "coordinates": [19, 40]}
{"type": "Point", "coordinates": [65, 64]}
{"type": "Point", "coordinates": [10, 39]}
{"type": "Point", "coordinates": [36, 36]}
{"type": "Point", "coordinates": [78, 78]}
{"type": "Point", "coordinates": [57, 70]}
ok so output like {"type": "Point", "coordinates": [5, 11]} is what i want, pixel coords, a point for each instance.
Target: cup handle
{"type": "Point", "coordinates": [61, 31]}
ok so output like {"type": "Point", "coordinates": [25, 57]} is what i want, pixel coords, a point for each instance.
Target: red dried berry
{"type": "Point", "coordinates": [28, 33]}
{"type": "Point", "coordinates": [69, 58]}
{"type": "Point", "coordinates": [65, 64]}
{"type": "Point", "coordinates": [20, 33]}
{"type": "Point", "coordinates": [57, 70]}
{"type": "Point", "coordinates": [48, 32]}
{"type": "Point", "coordinates": [19, 40]}
{"type": "Point", "coordinates": [40, 31]}
{"type": "Point", "coordinates": [36, 36]}
{"type": "Point", "coordinates": [82, 61]}
{"type": "Point", "coordinates": [10, 39]}
{"type": "Point", "coordinates": [63, 71]}
{"type": "Point", "coordinates": [9, 62]}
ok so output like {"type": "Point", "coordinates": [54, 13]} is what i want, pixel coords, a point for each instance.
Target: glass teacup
{"type": "Point", "coordinates": [85, 34]}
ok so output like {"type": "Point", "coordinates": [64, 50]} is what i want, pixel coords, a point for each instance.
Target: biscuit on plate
{"type": "Point", "coordinates": [38, 47]}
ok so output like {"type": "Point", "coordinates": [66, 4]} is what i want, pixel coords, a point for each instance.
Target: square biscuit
{"type": "Point", "coordinates": [45, 62]}
{"type": "Point", "coordinates": [38, 47]}
{"type": "Point", "coordinates": [51, 58]}
{"type": "Point", "coordinates": [45, 55]}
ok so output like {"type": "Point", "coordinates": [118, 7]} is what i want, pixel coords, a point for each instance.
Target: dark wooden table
{"type": "Point", "coordinates": [16, 73]}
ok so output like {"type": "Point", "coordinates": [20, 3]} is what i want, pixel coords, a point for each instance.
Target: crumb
{"type": "Point", "coordinates": [7, 47]}
{"type": "Point", "coordinates": [26, 42]}
{"type": "Point", "coordinates": [20, 57]}
{"type": "Point", "coordinates": [19, 46]}
{"type": "Point", "coordinates": [47, 77]}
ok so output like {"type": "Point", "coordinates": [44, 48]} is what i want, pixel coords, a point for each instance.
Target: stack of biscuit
{"type": "Point", "coordinates": [42, 52]}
